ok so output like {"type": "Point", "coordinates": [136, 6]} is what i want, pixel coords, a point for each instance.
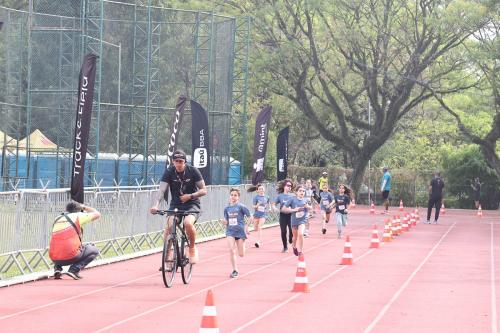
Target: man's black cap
{"type": "Point", "coordinates": [179, 155]}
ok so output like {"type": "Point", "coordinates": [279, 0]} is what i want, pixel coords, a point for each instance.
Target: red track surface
{"type": "Point", "coordinates": [434, 278]}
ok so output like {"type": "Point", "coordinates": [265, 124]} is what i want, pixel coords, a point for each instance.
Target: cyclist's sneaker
{"type": "Point", "coordinates": [74, 274]}
{"type": "Point", "coordinates": [323, 231]}
{"type": "Point", "coordinates": [257, 245]}
{"type": "Point", "coordinates": [295, 251]}
{"type": "Point", "coordinates": [193, 255]}
{"type": "Point", "coordinates": [57, 274]}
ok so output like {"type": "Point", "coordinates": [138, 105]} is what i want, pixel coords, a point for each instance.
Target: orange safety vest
{"type": "Point", "coordinates": [65, 244]}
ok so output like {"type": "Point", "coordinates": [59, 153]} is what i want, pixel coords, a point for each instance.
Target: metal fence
{"type": "Point", "coordinates": [148, 56]}
{"type": "Point", "coordinates": [125, 229]}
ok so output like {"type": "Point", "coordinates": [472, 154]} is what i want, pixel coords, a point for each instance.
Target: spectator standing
{"type": "Point", "coordinates": [435, 197]}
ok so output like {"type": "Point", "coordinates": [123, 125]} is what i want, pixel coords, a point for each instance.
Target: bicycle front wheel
{"type": "Point", "coordinates": [169, 261]}
{"type": "Point", "coordinates": [186, 266]}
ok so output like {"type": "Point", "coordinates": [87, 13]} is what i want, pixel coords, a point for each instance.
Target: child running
{"type": "Point", "coordinates": [326, 205]}
{"type": "Point", "coordinates": [309, 197]}
{"type": "Point", "coordinates": [261, 206]}
{"type": "Point", "coordinates": [299, 208]}
{"type": "Point", "coordinates": [342, 201]}
{"type": "Point", "coordinates": [237, 230]}
{"type": "Point", "coordinates": [284, 189]}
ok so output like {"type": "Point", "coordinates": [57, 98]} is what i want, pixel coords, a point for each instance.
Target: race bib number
{"type": "Point", "coordinates": [261, 208]}
{"type": "Point", "coordinates": [233, 221]}
{"type": "Point", "coordinates": [299, 214]}
{"type": "Point", "coordinates": [341, 207]}
{"type": "Point", "coordinates": [326, 202]}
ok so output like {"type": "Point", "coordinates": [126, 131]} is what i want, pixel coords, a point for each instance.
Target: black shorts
{"type": "Point", "coordinates": [186, 206]}
{"type": "Point", "coordinates": [385, 195]}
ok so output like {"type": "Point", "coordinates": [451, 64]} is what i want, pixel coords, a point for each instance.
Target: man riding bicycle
{"type": "Point", "coordinates": [186, 187]}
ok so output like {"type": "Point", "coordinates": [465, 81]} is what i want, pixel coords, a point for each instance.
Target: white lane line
{"type": "Point", "coordinates": [285, 302]}
{"type": "Point", "coordinates": [141, 314]}
{"type": "Point", "coordinates": [38, 307]}
{"type": "Point", "coordinates": [494, 327]}
{"type": "Point", "coordinates": [406, 283]}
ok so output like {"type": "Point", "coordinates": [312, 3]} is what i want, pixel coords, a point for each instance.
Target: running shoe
{"type": "Point", "coordinates": [290, 241]}
{"type": "Point", "coordinates": [57, 274]}
{"type": "Point", "coordinates": [435, 222]}
{"type": "Point", "coordinates": [193, 255]}
{"type": "Point", "coordinates": [233, 274]}
{"type": "Point", "coordinates": [323, 231]}
{"type": "Point", "coordinates": [285, 249]}
{"type": "Point", "coordinates": [295, 251]}
{"type": "Point", "coordinates": [427, 222]}
{"type": "Point", "coordinates": [257, 245]}
{"type": "Point", "coordinates": [73, 274]}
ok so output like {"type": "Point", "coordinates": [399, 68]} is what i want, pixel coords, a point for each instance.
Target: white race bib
{"type": "Point", "coordinates": [341, 207]}
{"type": "Point", "coordinates": [299, 214]}
{"type": "Point", "coordinates": [233, 221]}
{"type": "Point", "coordinates": [326, 202]}
{"type": "Point", "coordinates": [261, 208]}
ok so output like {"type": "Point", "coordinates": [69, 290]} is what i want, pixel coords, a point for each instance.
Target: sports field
{"type": "Point", "coordinates": [433, 278]}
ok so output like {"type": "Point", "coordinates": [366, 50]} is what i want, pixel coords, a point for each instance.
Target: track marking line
{"type": "Point", "coordinates": [285, 302]}
{"type": "Point", "coordinates": [141, 314]}
{"type": "Point", "coordinates": [38, 307]}
{"type": "Point", "coordinates": [406, 283]}
{"type": "Point", "coordinates": [494, 327]}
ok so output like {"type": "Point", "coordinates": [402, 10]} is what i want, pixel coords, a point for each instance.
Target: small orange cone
{"type": "Point", "coordinates": [443, 209]}
{"type": "Point", "coordinates": [480, 211]}
{"type": "Point", "coordinates": [353, 203]}
{"type": "Point", "coordinates": [413, 220]}
{"type": "Point", "coordinates": [387, 237]}
{"type": "Point", "coordinates": [372, 208]}
{"type": "Point", "coordinates": [375, 242]}
{"type": "Point", "coordinates": [301, 283]}
{"type": "Point", "coordinates": [209, 320]}
{"type": "Point", "coordinates": [404, 226]}
{"type": "Point", "coordinates": [347, 256]}
{"type": "Point", "coordinates": [401, 207]}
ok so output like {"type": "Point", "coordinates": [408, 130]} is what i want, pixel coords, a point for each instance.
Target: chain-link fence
{"type": "Point", "coordinates": [148, 57]}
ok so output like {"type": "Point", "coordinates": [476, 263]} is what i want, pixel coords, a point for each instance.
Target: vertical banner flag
{"type": "Point", "coordinates": [260, 144]}
{"type": "Point", "coordinates": [176, 126]}
{"type": "Point", "coordinates": [82, 126]}
{"type": "Point", "coordinates": [200, 141]}
{"type": "Point", "coordinates": [282, 154]}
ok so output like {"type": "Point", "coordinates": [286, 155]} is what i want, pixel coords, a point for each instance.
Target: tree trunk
{"type": "Point", "coordinates": [358, 173]}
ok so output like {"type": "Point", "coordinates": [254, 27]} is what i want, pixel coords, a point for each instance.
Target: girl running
{"type": "Point", "coordinates": [285, 195]}
{"type": "Point", "coordinates": [237, 230]}
{"type": "Point", "coordinates": [261, 206]}
{"type": "Point", "coordinates": [326, 205]}
{"type": "Point", "coordinates": [309, 197]}
{"type": "Point", "coordinates": [299, 208]}
{"type": "Point", "coordinates": [342, 201]}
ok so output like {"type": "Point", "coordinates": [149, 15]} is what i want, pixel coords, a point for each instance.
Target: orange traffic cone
{"type": "Point", "coordinates": [375, 242]}
{"type": "Point", "coordinates": [209, 319]}
{"type": "Point", "coordinates": [413, 220]}
{"type": "Point", "coordinates": [387, 232]}
{"type": "Point", "coordinates": [347, 256]}
{"type": "Point", "coordinates": [479, 211]}
{"type": "Point", "coordinates": [404, 226]}
{"type": "Point", "coordinates": [401, 207]}
{"type": "Point", "coordinates": [372, 208]}
{"type": "Point", "coordinates": [443, 209]}
{"type": "Point", "coordinates": [301, 283]}
{"type": "Point", "coordinates": [353, 203]}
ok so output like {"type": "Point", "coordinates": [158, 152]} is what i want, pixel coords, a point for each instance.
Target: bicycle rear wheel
{"type": "Point", "coordinates": [186, 266]}
{"type": "Point", "coordinates": [169, 261]}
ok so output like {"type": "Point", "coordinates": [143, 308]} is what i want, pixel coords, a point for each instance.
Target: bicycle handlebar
{"type": "Point", "coordinates": [177, 212]}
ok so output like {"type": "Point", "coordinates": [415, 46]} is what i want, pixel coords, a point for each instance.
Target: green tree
{"type": "Point", "coordinates": [333, 58]}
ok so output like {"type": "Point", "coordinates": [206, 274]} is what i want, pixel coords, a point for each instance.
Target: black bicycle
{"type": "Point", "coordinates": [175, 249]}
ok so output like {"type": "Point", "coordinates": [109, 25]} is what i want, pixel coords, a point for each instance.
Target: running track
{"type": "Point", "coordinates": [434, 278]}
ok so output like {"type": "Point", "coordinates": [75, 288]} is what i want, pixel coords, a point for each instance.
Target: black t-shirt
{"type": "Point", "coordinates": [182, 183]}
{"type": "Point", "coordinates": [437, 185]}
{"type": "Point", "coordinates": [342, 202]}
